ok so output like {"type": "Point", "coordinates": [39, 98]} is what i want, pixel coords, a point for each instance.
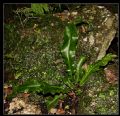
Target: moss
{"type": "Point", "coordinates": [34, 54]}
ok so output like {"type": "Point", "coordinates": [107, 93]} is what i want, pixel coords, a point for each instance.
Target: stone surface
{"type": "Point", "coordinates": [37, 52]}
{"type": "Point", "coordinates": [111, 73]}
{"type": "Point", "coordinates": [104, 27]}
{"type": "Point", "coordinates": [19, 106]}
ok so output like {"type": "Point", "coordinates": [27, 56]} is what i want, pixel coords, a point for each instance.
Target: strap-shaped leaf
{"type": "Point", "coordinates": [69, 46]}
{"type": "Point", "coordinates": [53, 103]}
{"type": "Point", "coordinates": [96, 66]}
{"type": "Point", "coordinates": [32, 85]}
{"type": "Point", "coordinates": [79, 70]}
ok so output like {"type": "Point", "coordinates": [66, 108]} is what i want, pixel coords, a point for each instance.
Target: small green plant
{"type": "Point", "coordinates": [39, 8]}
{"type": "Point", "coordinates": [34, 11]}
{"type": "Point", "coordinates": [76, 74]}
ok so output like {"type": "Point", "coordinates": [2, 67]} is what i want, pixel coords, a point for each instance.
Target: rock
{"type": "Point", "coordinates": [111, 73]}
{"type": "Point", "coordinates": [18, 106]}
{"type": "Point", "coordinates": [40, 41]}
{"type": "Point", "coordinates": [38, 44]}
{"type": "Point", "coordinates": [53, 111]}
{"type": "Point", "coordinates": [104, 27]}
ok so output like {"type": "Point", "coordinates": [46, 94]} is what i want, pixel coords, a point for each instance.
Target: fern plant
{"type": "Point", "coordinates": [76, 74]}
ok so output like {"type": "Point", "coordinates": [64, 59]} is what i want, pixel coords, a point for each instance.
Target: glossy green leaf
{"type": "Point", "coordinates": [69, 46]}
{"type": "Point", "coordinates": [32, 85]}
{"type": "Point", "coordinates": [96, 66]}
{"type": "Point", "coordinates": [39, 8]}
{"type": "Point", "coordinates": [53, 103]}
{"type": "Point", "coordinates": [79, 70]}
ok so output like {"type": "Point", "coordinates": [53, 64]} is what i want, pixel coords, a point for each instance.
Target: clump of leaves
{"type": "Point", "coordinates": [35, 9]}
{"type": "Point", "coordinates": [76, 74]}
{"type": "Point", "coordinates": [32, 12]}
{"type": "Point", "coordinates": [39, 8]}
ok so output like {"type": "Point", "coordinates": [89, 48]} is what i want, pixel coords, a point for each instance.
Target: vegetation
{"type": "Point", "coordinates": [24, 50]}
{"type": "Point", "coordinates": [76, 75]}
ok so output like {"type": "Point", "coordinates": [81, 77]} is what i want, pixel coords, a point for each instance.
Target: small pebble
{"type": "Point", "coordinates": [53, 110]}
{"type": "Point", "coordinates": [74, 13]}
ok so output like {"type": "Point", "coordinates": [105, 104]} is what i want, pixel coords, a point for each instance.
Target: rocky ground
{"type": "Point", "coordinates": [100, 94]}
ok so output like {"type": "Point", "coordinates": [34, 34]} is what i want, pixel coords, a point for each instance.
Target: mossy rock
{"type": "Point", "coordinates": [33, 51]}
